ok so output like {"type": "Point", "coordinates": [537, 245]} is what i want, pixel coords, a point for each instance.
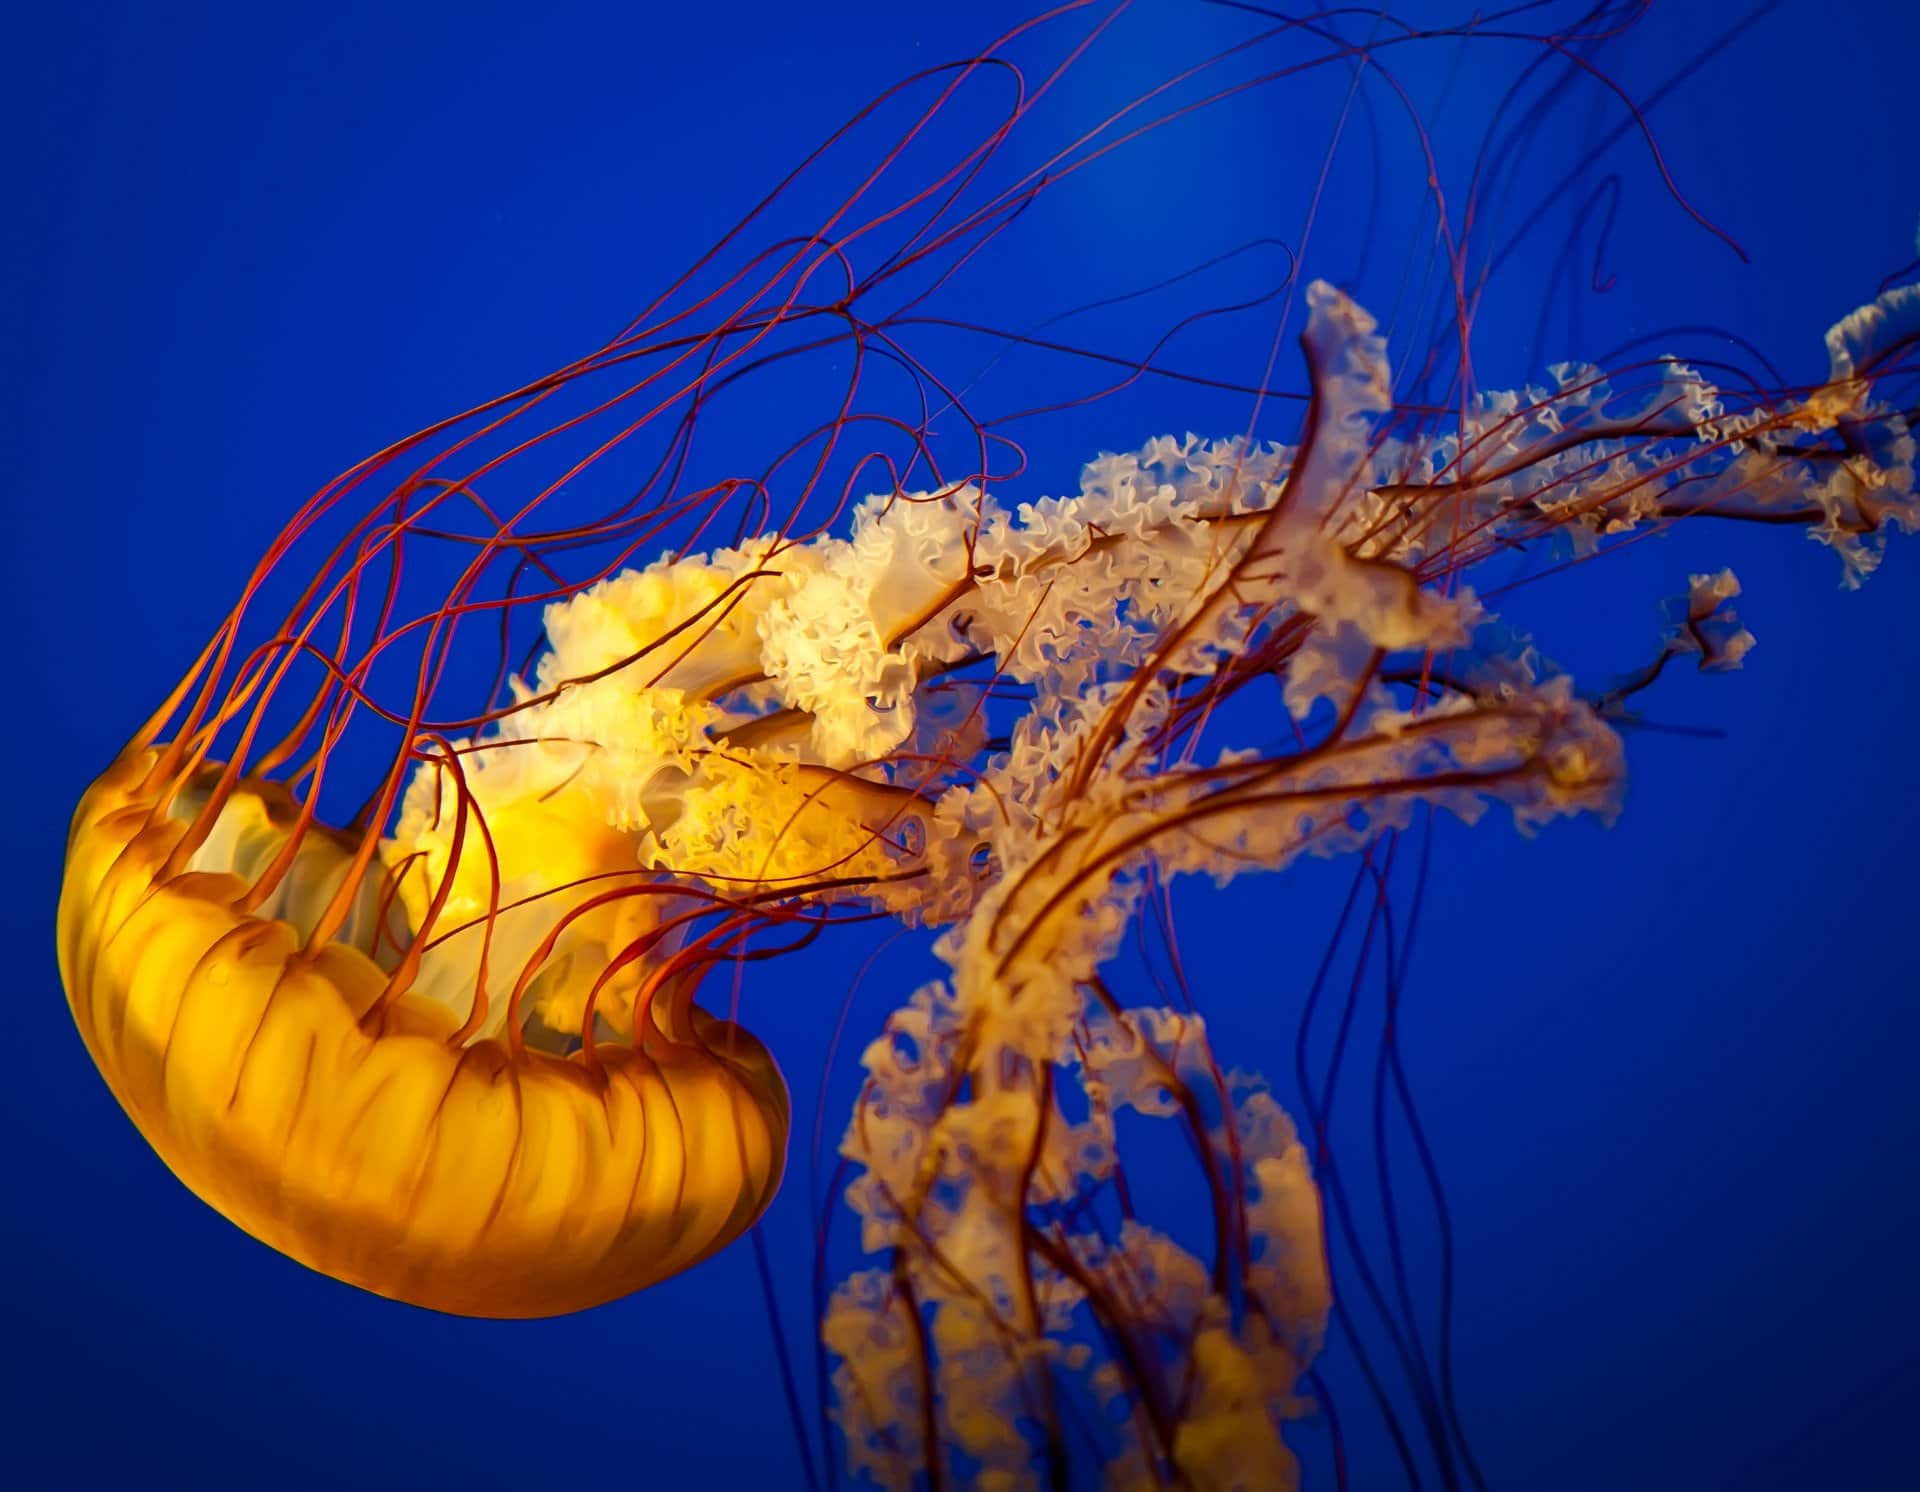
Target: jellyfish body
{"type": "Point", "coordinates": [461, 1065]}
{"type": "Point", "coordinates": [351, 1134]}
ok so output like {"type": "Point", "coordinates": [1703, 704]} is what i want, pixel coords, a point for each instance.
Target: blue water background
{"type": "Point", "coordinates": [1667, 1067]}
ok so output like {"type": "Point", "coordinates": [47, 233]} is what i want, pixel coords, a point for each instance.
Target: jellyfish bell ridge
{"type": "Point", "coordinates": [347, 1127]}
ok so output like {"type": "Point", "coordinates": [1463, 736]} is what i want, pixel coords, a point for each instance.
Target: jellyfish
{"type": "Point", "coordinates": [410, 929]}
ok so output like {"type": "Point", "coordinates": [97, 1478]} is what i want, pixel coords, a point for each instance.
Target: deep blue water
{"type": "Point", "coordinates": [1666, 1067]}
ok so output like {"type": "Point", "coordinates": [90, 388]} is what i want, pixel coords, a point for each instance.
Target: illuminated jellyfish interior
{"type": "Point", "coordinates": [965, 706]}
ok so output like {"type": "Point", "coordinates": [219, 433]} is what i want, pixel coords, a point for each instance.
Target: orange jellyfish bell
{"type": "Point", "coordinates": [348, 1126]}
{"type": "Point", "coordinates": [450, 1053]}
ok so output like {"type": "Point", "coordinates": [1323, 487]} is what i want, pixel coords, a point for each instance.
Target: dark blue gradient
{"type": "Point", "coordinates": [1665, 1070]}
